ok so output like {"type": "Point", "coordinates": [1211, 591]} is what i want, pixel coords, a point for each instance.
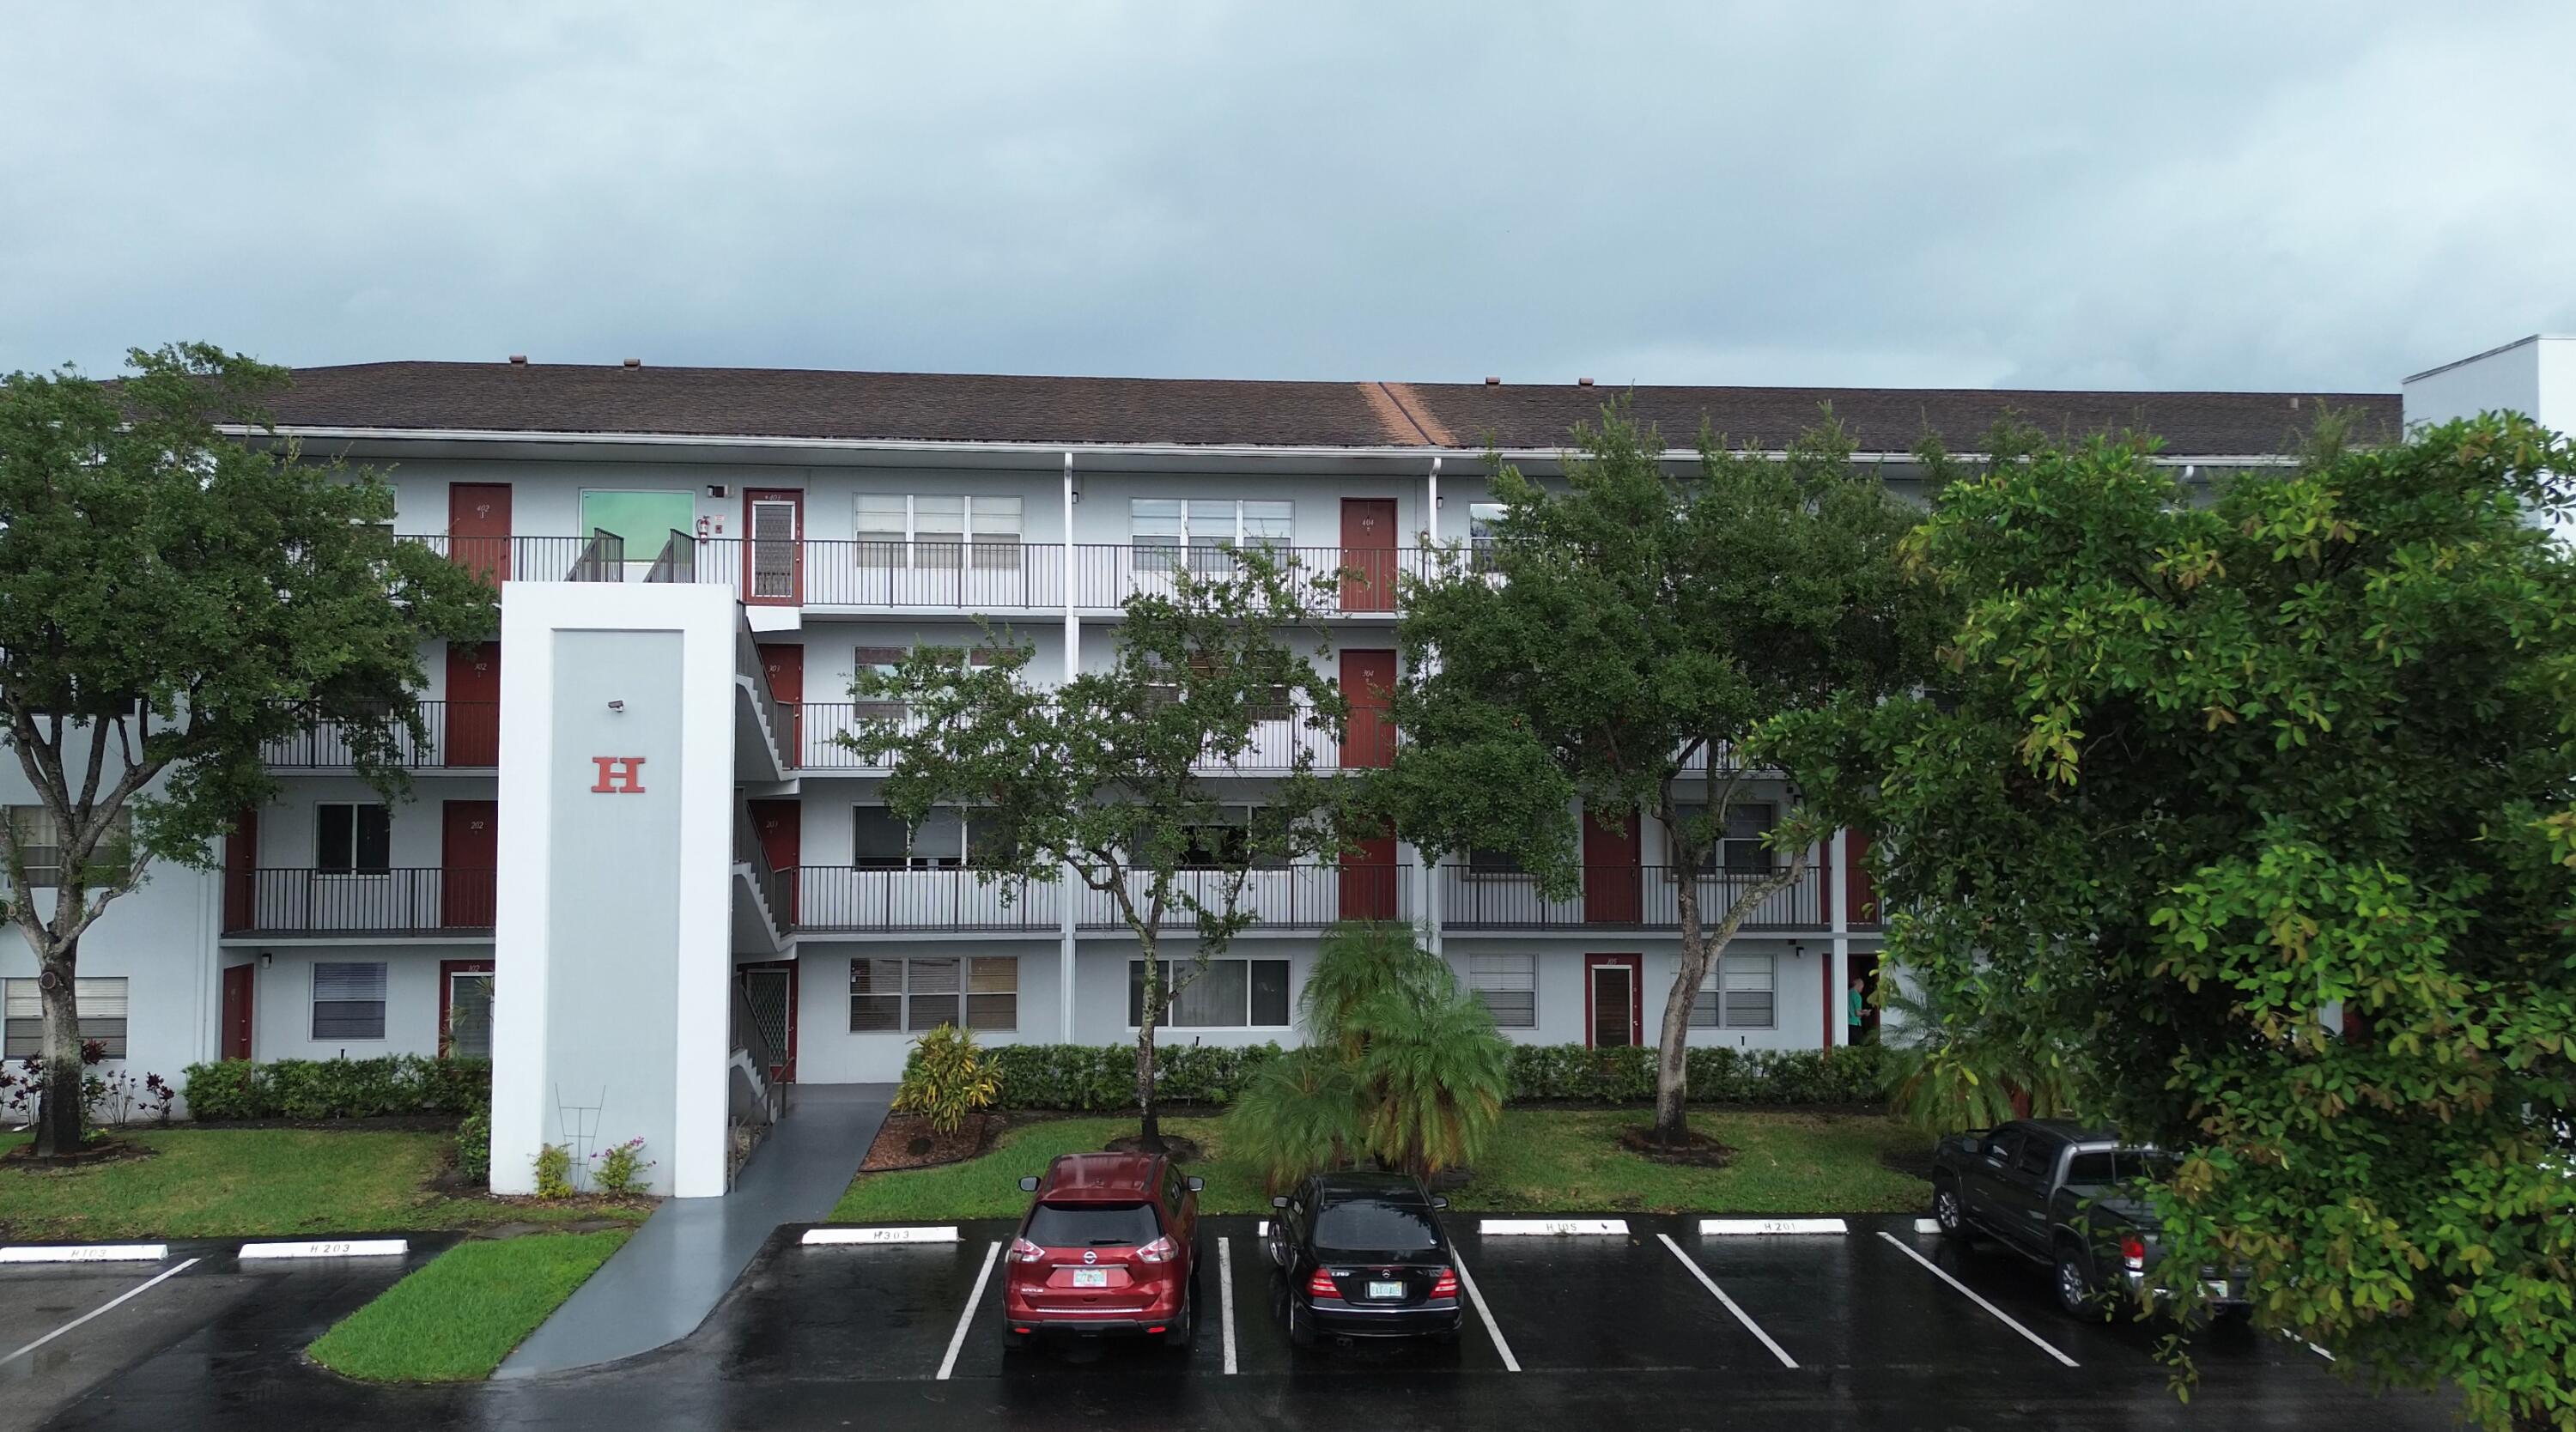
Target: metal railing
{"type": "Point", "coordinates": [599, 557]}
{"type": "Point", "coordinates": [835, 897]}
{"type": "Point", "coordinates": [1292, 897]}
{"type": "Point", "coordinates": [455, 734]}
{"type": "Point", "coordinates": [679, 559]}
{"type": "Point", "coordinates": [1641, 897]}
{"type": "Point", "coordinates": [773, 886]}
{"type": "Point", "coordinates": [1343, 581]}
{"type": "Point", "coordinates": [782, 738]}
{"type": "Point", "coordinates": [820, 724]}
{"type": "Point", "coordinates": [400, 901]}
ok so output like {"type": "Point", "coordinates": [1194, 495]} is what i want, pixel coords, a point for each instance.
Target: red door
{"type": "Point", "coordinates": [1368, 880]}
{"type": "Point", "coordinates": [237, 1003]}
{"type": "Point", "coordinates": [773, 552]}
{"type": "Point", "coordinates": [241, 864]}
{"type": "Point", "coordinates": [469, 850]}
{"type": "Point", "coordinates": [478, 528]}
{"type": "Point", "coordinates": [784, 664]}
{"type": "Point", "coordinates": [1367, 679]}
{"type": "Point", "coordinates": [1860, 893]}
{"type": "Point", "coordinates": [777, 824]}
{"type": "Point", "coordinates": [1610, 871]}
{"type": "Point", "coordinates": [473, 704]}
{"type": "Point", "coordinates": [1368, 554]}
{"type": "Point", "coordinates": [1613, 1000]}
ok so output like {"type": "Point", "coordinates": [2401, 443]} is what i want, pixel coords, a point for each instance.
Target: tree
{"type": "Point", "coordinates": [1622, 641]}
{"type": "Point", "coordinates": [178, 587]}
{"type": "Point", "coordinates": [2262, 797]}
{"type": "Point", "coordinates": [1106, 775]}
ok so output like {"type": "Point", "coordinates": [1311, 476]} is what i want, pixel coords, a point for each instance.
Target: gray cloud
{"type": "Point", "coordinates": [2300, 196]}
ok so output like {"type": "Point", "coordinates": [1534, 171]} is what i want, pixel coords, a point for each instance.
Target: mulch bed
{"type": "Point", "coordinates": [1178, 1149]}
{"type": "Point", "coordinates": [106, 1151]}
{"type": "Point", "coordinates": [1700, 1151]}
{"type": "Point", "coordinates": [908, 1141]}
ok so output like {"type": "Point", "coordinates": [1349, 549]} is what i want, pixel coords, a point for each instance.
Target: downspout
{"type": "Point", "coordinates": [1070, 882]}
{"type": "Point", "coordinates": [1430, 872]}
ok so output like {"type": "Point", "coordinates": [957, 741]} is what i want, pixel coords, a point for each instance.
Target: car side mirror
{"type": "Point", "coordinates": [1439, 1202]}
{"type": "Point", "coordinates": [1279, 1201]}
{"type": "Point", "coordinates": [1029, 1184]}
{"type": "Point", "coordinates": [1195, 1183]}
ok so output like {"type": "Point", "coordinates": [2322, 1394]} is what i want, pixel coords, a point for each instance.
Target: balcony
{"type": "Point", "coordinates": [1294, 897]}
{"type": "Point", "coordinates": [828, 898]}
{"type": "Point", "coordinates": [460, 735]}
{"type": "Point", "coordinates": [818, 725]}
{"type": "Point", "coordinates": [918, 576]}
{"type": "Point", "coordinates": [1621, 897]}
{"type": "Point", "coordinates": [403, 901]}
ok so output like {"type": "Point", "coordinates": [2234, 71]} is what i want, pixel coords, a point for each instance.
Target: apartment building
{"type": "Point", "coordinates": [638, 869]}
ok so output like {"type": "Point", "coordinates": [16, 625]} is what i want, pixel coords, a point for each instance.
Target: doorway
{"type": "Point", "coordinates": [237, 1008]}
{"type": "Point", "coordinates": [472, 735]}
{"type": "Point", "coordinates": [1611, 999]}
{"type": "Point", "coordinates": [773, 524]}
{"type": "Point", "coordinates": [1368, 554]}
{"type": "Point", "coordinates": [465, 1009]}
{"type": "Point", "coordinates": [469, 852]}
{"type": "Point", "coordinates": [478, 528]}
{"type": "Point", "coordinates": [783, 663]}
{"type": "Point", "coordinates": [770, 989]}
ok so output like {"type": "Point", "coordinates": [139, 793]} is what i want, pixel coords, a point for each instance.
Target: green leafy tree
{"type": "Point", "coordinates": [177, 587]}
{"type": "Point", "coordinates": [1623, 639]}
{"type": "Point", "coordinates": [1106, 776]}
{"type": "Point", "coordinates": [2262, 797]}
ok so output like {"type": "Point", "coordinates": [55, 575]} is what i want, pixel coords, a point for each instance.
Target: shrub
{"type": "Point", "coordinates": [621, 1168]}
{"type": "Point", "coordinates": [554, 1172]}
{"type": "Point", "coordinates": [323, 1089]}
{"type": "Point", "coordinates": [945, 1078]}
{"type": "Point", "coordinates": [1300, 1113]}
{"type": "Point", "coordinates": [228, 1089]}
{"type": "Point", "coordinates": [474, 1144]}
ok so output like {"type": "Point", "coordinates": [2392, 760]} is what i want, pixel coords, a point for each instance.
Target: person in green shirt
{"type": "Point", "coordinates": [1857, 1010]}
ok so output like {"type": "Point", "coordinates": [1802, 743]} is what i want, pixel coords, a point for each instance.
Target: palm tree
{"type": "Point", "coordinates": [1947, 1072]}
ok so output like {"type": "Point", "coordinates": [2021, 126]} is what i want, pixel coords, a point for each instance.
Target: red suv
{"type": "Point", "coordinates": [1109, 1245]}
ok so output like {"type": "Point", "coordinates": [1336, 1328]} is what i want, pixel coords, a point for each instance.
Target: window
{"type": "Point", "coordinates": [1486, 864]}
{"type": "Point", "coordinates": [1508, 984]}
{"type": "Point", "coordinates": [1482, 517]}
{"type": "Point", "coordinates": [351, 839]}
{"type": "Point", "coordinates": [348, 1001]}
{"type": "Point", "coordinates": [945, 840]}
{"type": "Point", "coordinates": [469, 1014]}
{"type": "Point", "coordinates": [644, 521]}
{"type": "Point", "coordinates": [1225, 843]}
{"type": "Point", "coordinates": [938, 532]}
{"type": "Point", "coordinates": [1736, 994]}
{"type": "Point", "coordinates": [2035, 1157]}
{"type": "Point", "coordinates": [40, 847]}
{"type": "Point", "coordinates": [1228, 994]}
{"type": "Point", "coordinates": [1208, 527]}
{"type": "Point", "coordinates": [916, 995]}
{"type": "Point", "coordinates": [98, 1005]}
{"type": "Point", "coordinates": [1739, 850]}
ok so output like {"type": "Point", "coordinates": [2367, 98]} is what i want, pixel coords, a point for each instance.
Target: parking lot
{"type": "Point", "coordinates": [69, 1329]}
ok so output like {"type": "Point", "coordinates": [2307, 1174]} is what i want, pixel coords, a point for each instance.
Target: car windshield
{"type": "Point", "coordinates": [2101, 1168]}
{"type": "Point", "coordinates": [1093, 1225]}
{"type": "Point", "coordinates": [1374, 1225]}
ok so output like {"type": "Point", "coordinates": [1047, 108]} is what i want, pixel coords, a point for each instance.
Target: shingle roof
{"type": "Point", "coordinates": [979, 408]}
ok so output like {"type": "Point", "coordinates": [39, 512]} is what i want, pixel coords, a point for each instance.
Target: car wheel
{"type": "Point", "coordinates": [1184, 1328]}
{"type": "Point", "coordinates": [2076, 1294]}
{"type": "Point", "coordinates": [1016, 1342]}
{"type": "Point", "coordinates": [1949, 1212]}
{"type": "Point", "coordinates": [1301, 1326]}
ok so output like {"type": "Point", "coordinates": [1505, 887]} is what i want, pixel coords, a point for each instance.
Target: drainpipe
{"type": "Point", "coordinates": [1071, 883]}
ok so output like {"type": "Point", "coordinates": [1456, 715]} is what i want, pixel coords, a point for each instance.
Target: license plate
{"type": "Point", "coordinates": [1386, 1290]}
{"type": "Point", "coordinates": [1091, 1277]}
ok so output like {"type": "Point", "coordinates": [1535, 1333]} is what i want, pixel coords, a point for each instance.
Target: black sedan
{"type": "Point", "coordinates": [1361, 1255]}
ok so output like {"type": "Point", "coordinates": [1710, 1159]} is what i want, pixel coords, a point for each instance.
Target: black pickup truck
{"type": "Point", "coordinates": [2063, 1194]}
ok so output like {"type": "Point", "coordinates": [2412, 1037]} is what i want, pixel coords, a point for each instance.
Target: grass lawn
{"type": "Point", "coordinates": [1564, 1160]}
{"type": "Point", "coordinates": [236, 1182]}
{"type": "Point", "coordinates": [454, 1320]}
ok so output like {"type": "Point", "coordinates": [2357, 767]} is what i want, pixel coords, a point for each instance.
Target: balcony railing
{"type": "Point", "coordinates": [464, 734]}
{"type": "Point", "coordinates": [819, 724]}
{"type": "Point", "coordinates": [1633, 897]}
{"type": "Point", "coordinates": [1295, 897]}
{"type": "Point", "coordinates": [833, 897]}
{"type": "Point", "coordinates": [599, 557]}
{"type": "Point", "coordinates": [401, 901]}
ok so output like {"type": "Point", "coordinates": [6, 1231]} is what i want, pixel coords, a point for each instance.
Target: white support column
{"type": "Point", "coordinates": [1427, 872]}
{"type": "Point", "coordinates": [1838, 902]}
{"type": "Point", "coordinates": [1069, 880]}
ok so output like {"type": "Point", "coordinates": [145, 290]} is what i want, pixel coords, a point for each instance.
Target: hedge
{"type": "Point", "coordinates": [337, 1088]}
{"type": "Point", "coordinates": [1083, 1076]}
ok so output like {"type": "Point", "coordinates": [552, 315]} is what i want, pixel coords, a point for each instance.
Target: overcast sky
{"type": "Point", "coordinates": [2278, 195]}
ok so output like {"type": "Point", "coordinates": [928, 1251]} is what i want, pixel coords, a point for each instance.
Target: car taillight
{"type": "Point", "coordinates": [2133, 1252]}
{"type": "Point", "coordinates": [1321, 1285]}
{"type": "Point", "coordinates": [1161, 1250]}
{"type": "Point", "coordinates": [1447, 1286]}
{"type": "Point", "coordinates": [1023, 1251]}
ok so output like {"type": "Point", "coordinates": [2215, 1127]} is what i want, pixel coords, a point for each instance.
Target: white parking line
{"type": "Point", "coordinates": [1710, 1283]}
{"type": "Point", "coordinates": [1970, 1294]}
{"type": "Point", "coordinates": [1225, 1296]}
{"type": "Point", "coordinates": [966, 1318]}
{"type": "Point", "coordinates": [140, 1288]}
{"type": "Point", "coordinates": [1510, 1363]}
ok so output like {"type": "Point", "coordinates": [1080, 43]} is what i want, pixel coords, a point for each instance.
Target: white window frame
{"type": "Point", "coordinates": [22, 1014]}
{"type": "Point", "coordinates": [32, 828]}
{"type": "Point", "coordinates": [1136, 968]}
{"type": "Point", "coordinates": [914, 857]}
{"type": "Point", "coordinates": [1488, 975]}
{"type": "Point", "coordinates": [981, 547]}
{"type": "Point", "coordinates": [447, 1037]}
{"type": "Point", "coordinates": [383, 1002]}
{"type": "Point", "coordinates": [968, 971]}
{"type": "Point", "coordinates": [1715, 1006]}
{"type": "Point", "coordinates": [1480, 545]}
{"type": "Point", "coordinates": [356, 810]}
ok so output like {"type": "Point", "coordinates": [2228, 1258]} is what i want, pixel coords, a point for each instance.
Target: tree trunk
{"type": "Point", "coordinates": [58, 1115]}
{"type": "Point", "coordinates": [1672, 1042]}
{"type": "Point", "coordinates": [1149, 1133]}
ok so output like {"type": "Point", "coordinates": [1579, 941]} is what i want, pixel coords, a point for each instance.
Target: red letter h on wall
{"type": "Point", "coordinates": [619, 775]}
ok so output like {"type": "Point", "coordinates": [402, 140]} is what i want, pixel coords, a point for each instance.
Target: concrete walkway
{"type": "Point", "coordinates": [662, 1284]}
